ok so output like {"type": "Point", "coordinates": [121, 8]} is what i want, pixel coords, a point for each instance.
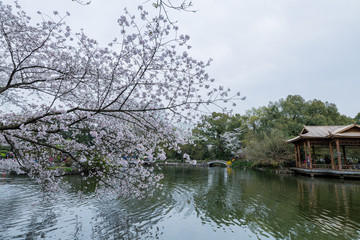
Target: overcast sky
{"type": "Point", "coordinates": [266, 49]}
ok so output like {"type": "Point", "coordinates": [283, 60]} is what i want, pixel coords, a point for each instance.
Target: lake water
{"type": "Point", "coordinates": [196, 203]}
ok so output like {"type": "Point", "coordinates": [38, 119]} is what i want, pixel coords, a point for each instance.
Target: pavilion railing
{"type": "Point", "coordinates": [351, 167]}
{"type": "Point", "coordinates": [327, 166]}
{"type": "Point", "coordinates": [305, 165]}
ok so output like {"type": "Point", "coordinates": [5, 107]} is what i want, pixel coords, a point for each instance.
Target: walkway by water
{"type": "Point", "coordinates": [327, 172]}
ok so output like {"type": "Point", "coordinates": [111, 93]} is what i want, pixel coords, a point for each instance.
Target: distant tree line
{"type": "Point", "coordinates": [260, 134]}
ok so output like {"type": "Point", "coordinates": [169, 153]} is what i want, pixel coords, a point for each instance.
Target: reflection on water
{"type": "Point", "coordinates": [196, 203]}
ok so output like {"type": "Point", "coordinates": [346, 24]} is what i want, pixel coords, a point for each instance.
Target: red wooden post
{"type": "Point", "coordinates": [309, 148]}
{"type": "Point", "coordinates": [339, 154]}
{"type": "Point", "coordinates": [332, 156]}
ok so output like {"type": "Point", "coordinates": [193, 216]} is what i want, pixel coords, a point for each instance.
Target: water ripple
{"type": "Point", "coordinates": [215, 203]}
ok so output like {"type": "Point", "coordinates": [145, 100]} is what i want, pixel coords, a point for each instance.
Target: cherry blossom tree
{"type": "Point", "coordinates": [106, 108]}
{"type": "Point", "coordinates": [233, 141]}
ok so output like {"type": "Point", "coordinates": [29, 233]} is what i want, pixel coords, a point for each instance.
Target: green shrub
{"type": "Point", "coordinates": [269, 150]}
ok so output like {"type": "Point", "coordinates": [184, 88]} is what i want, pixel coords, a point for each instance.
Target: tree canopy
{"type": "Point", "coordinates": [106, 108]}
{"type": "Point", "coordinates": [290, 114]}
{"type": "Point", "coordinates": [220, 133]}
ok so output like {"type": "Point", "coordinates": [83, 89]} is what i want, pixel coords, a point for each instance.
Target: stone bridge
{"type": "Point", "coordinates": [212, 163]}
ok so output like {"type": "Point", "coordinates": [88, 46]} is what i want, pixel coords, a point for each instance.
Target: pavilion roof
{"type": "Point", "coordinates": [328, 132]}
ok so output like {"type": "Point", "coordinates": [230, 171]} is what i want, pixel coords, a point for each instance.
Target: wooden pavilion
{"type": "Point", "coordinates": [335, 138]}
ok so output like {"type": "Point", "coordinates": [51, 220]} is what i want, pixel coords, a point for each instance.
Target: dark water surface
{"type": "Point", "coordinates": [196, 203]}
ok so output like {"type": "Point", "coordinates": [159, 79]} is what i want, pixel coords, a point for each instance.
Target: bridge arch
{"type": "Point", "coordinates": [212, 163]}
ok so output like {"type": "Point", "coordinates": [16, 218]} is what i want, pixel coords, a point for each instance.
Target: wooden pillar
{"type": "Point", "coordinates": [344, 153]}
{"type": "Point", "coordinates": [338, 153]}
{"type": "Point", "coordinates": [296, 158]}
{"type": "Point", "coordinates": [298, 152]}
{"type": "Point", "coordinates": [332, 156]}
{"type": "Point", "coordinates": [305, 154]}
{"type": "Point", "coordinates": [313, 151]}
{"type": "Point", "coordinates": [310, 159]}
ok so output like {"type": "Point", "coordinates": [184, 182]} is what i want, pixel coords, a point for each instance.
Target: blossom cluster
{"type": "Point", "coordinates": [107, 109]}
